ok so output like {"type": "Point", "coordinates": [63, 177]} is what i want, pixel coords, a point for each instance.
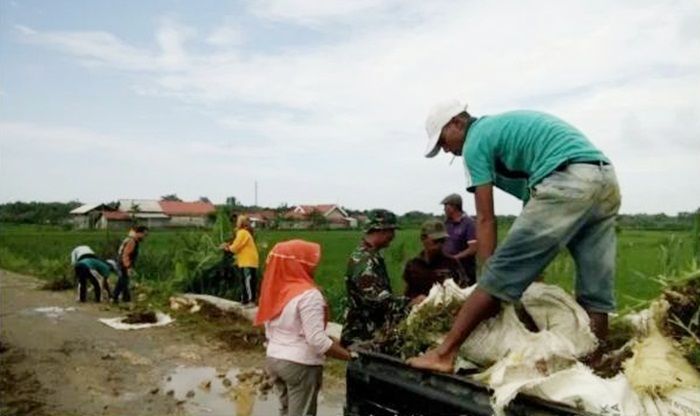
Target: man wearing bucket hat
{"type": "Point", "coordinates": [371, 303]}
{"type": "Point", "coordinates": [431, 265]}
{"type": "Point", "coordinates": [571, 199]}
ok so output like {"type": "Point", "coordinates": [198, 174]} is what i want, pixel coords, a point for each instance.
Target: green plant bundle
{"type": "Point", "coordinates": [422, 331]}
{"type": "Point", "coordinates": [682, 321]}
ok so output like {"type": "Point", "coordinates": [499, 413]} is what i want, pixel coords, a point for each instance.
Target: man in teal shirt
{"type": "Point", "coordinates": [570, 196]}
{"type": "Point", "coordinates": [97, 272]}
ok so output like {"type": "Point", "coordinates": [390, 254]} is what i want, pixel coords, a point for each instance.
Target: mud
{"type": "Point", "coordinates": [61, 361]}
{"type": "Point", "coordinates": [208, 391]}
{"type": "Point", "coordinates": [140, 317]}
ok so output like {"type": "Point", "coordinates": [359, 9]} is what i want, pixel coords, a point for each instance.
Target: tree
{"type": "Point", "coordinates": [204, 199]}
{"type": "Point", "coordinates": [318, 220]}
{"type": "Point", "coordinates": [231, 201]}
{"type": "Point", "coordinates": [37, 212]}
{"type": "Point", "coordinates": [282, 208]}
{"type": "Point", "coordinates": [135, 209]}
{"type": "Point", "coordinates": [170, 197]}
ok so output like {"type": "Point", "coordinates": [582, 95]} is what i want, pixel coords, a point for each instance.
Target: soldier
{"type": "Point", "coordinates": [370, 301]}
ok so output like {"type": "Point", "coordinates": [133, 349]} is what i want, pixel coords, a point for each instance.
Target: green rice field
{"type": "Point", "coordinates": [169, 257]}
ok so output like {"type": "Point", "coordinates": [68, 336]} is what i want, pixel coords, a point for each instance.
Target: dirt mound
{"type": "Point", "coordinates": [233, 330]}
{"type": "Point", "coordinates": [140, 317]}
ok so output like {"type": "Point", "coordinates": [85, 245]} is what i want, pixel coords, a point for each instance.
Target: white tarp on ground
{"type": "Point", "coordinates": [162, 319]}
{"type": "Point", "coordinates": [657, 380]}
{"type": "Point", "coordinates": [189, 301]}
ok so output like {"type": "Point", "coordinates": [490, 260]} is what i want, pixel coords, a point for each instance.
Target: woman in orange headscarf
{"type": "Point", "coordinates": [295, 315]}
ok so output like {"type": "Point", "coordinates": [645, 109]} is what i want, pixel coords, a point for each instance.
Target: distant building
{"type": "Point", "coordinates": [149, 212]}
{"type": "Point", "coordinates": [188, 214]}
{"type": "Point", "coordinates": [260, 219]}
{"type": "Point", "coordinates": [87, 216]}
{"type": "Point", "coordinates": [317, 216]}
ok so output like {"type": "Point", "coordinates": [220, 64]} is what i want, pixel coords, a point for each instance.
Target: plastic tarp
{"type": "Point", "coordinates": [162, 319]}
{"type": "Point", "coordinates": [656, 381]}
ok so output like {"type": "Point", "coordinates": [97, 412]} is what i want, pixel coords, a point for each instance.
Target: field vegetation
{"type": "Point", "coordinates": [173, 261]}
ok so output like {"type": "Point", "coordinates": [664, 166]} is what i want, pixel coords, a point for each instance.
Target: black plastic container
{"type": "Point", "coordinates": [380, 385]}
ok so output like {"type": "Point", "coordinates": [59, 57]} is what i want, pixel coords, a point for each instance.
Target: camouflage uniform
{"type": "Point", "coordinates": [370, 302]}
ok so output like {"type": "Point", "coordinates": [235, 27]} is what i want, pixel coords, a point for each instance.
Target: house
{"type": "Point", "coordinates": [260, 219]}
{"type": "Point", "coordinates": [188, 214]}
{"type": "Point", "coordinates": [146, 212]}
{"type": "Point", "coordinates": [157, 214]}
{"type": "Point", "coordinates": [88, 215]}
{"type": "Point", "coordinates": [114, 220]}
{"type": "Point", "coordinates": [318, 216]}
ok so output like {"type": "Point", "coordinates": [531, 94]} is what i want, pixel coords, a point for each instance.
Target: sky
{"type": "Point", "coordinates": [325, 101]}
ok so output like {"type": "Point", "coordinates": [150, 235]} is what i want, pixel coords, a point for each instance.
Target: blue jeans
{"type": "Point", "coordinates": [122, 286]}
{"type": "Point", "coordinates": [573, 208]}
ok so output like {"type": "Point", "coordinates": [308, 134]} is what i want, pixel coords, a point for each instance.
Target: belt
{"type": "Point", "coordinates": [566, 164]}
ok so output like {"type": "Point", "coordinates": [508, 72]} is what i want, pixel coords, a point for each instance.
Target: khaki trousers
{"type": "Point", "coordinates": [297, 386]}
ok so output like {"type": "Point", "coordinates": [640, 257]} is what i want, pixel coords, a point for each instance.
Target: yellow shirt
{"type": "Point", "coordinates": [244, 248]}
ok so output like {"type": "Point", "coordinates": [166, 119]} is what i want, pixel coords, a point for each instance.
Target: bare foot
{"type": "Point", "coordinates": [431, 360]}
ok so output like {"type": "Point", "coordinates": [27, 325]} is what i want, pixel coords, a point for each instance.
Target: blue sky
{"type": "Point", "coordinates": [325, 102]}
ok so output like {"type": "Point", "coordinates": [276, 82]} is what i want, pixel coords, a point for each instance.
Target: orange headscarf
{"type": "Point", "coordinates": [289, 272]}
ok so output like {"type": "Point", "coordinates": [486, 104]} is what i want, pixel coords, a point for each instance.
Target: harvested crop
{"type": "Point", "coordinates": [140, 317]}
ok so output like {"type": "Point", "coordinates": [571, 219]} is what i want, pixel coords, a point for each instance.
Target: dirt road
{"type": "Point", "coordinates": [56, 358]}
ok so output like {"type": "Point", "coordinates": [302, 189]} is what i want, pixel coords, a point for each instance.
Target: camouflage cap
{"type": "Point", "coordinates": [433, 229]}
{"type": "Point", "coordinates": [381, 219]}
{"type": "Point", "coordinates": [452, 199]}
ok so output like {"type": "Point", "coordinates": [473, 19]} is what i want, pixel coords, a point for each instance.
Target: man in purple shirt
{"type": "Point", "coordinates": [461, 243]}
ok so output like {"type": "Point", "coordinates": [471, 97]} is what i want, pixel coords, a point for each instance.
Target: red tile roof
{"type": "Point", "coordinates": [308, 209]}
{"type": "Point", "coordinates": [115, 215]}
{"type": "Point", "coordinates": [195, 209]}
{"type": "Point", "coordinates": [323, 208]}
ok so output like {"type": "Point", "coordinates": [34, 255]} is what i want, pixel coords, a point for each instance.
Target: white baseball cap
{"type": "Point", "coordinates": [438, 117]}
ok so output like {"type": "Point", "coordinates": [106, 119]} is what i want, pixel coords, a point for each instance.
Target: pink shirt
{"type": "Point", "coordinates": [298, 333]}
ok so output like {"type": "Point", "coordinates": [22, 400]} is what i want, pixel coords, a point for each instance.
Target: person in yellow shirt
{"type": "Point", "coordinates": [246, 253]}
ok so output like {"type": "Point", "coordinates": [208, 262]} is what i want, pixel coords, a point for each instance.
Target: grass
{"type": "Point", "coordinates": [170, 258]}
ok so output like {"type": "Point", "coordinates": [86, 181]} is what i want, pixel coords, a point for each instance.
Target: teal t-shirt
{"type": "Point", "coordinates": [514, 151]}
{"type": "Point", "coordinates": [96, 264]}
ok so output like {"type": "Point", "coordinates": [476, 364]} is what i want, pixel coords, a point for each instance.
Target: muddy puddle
{"type": "Point", "coordinates": [206, 391]}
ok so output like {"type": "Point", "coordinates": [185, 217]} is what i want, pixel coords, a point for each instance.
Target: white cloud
{"type": "Point", "coordinates": [225, 36]}
{"type": "Point", "coordinates": [627, 73]}
{"type": "Point", "coordinates": [316, 12]}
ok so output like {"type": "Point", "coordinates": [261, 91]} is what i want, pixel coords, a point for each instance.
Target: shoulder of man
{"type": "Point", "coordinates": [363, 262]}
{"type": "Point", "coordinates": [466, 219]}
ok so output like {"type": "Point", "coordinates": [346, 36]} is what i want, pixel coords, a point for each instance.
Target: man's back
{"type": "Point", "coordinates": [517, 149]}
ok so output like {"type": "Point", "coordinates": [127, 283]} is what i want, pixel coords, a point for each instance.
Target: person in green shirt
{"type": "Point", "coordinates": [96, 271]}
{"type": "Point", "coordinates": [571, 199]}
